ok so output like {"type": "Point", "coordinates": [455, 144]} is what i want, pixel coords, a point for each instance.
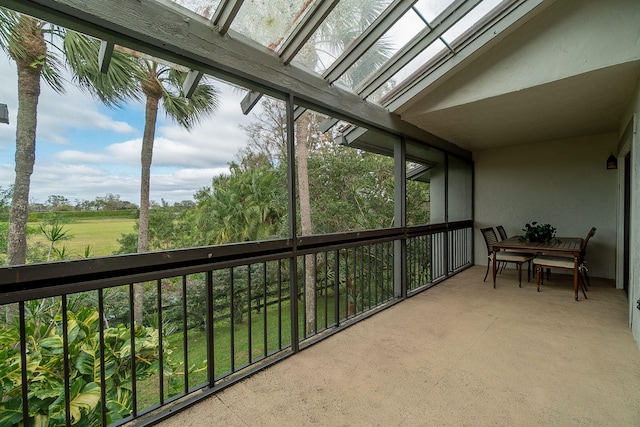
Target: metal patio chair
{"type": "Point", "coordinates": [517, 258]}
{"type": "Point", "coordinates": [561, 262]}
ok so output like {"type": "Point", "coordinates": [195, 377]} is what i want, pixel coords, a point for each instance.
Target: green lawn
{"type": "Point", "coordinates": [197, 344]}
{"type": "Point", "coordinates": [100, 234]}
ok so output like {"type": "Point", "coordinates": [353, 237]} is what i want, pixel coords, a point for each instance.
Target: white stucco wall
{"type": "Point", "coordinates": [436, 188]}
{"type": "Point", "coordinates": [460, 191]}
{"type": "Point", "coordinates": [564, 183]}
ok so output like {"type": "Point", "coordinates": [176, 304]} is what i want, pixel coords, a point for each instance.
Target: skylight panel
{"type": "Point", "coordinates": [431, 9]}
{"type": "Point", "coordinates": [436, 52]}
{"type": "Point", "coordinates": [398, 35]}
{"type": "Point", "coordinates": [205, 8]}
{"type": "Point", "coordinates": [269, 22]}
{"type": "Point", "coordinates": [345, 23]}
{"type": "Point", "coordinates": [469, 20]}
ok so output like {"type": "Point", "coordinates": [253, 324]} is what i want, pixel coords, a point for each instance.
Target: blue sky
{"type": "Point", "coordinates": [85, 150]}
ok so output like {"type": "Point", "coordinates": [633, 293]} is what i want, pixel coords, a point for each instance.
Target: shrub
{"type": "Point", "coordinates": [45, 370]}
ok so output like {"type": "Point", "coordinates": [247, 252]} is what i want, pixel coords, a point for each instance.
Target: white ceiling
{"type": "Point", "coordinates": [552, 77]}
{"type": "Point", "coordinates": [589, 103]}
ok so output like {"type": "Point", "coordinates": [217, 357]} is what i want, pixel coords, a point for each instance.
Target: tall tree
{"type": "Point", "coordinates": [36, 48]}
{"type": "Point", "coordinates": [331, 39]}
{"type": "Point", "coordinates": [158, 83]}
{"type": "Point", "coordinates": [23, 38]}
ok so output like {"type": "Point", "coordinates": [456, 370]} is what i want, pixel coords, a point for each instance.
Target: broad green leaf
{"type": "Point", "coordinates": [11, 412]}
{"type": "Point", "coordinates": [40, 420]}
{"type": "Point", "coordinates": [86, 400]}
{"type": "Point", "coordinates": [87, 362]}
{"type": "Point", "coordinates": [54, 344]}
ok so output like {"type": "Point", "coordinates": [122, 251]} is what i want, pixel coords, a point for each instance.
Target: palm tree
{"type": "Point", "coordinates": [240, 207]}
{"type": "Point", "coordinates": [154, 81]}
{"type": "Point", "coordinates": [331, 39]}
{"type": "Point", "coordinates": [160, 82]}
{"type": "Point", "coordinates": [130, 76]}
{"type": "Point", "coordinates": [35, 46]}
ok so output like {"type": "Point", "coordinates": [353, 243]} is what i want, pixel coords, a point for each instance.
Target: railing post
{"type": "Point", "coordinates": [23, 363]}
{"type": "Point", "coordinates": [209, 325]}
{"type": "Point", "coordinates": [291, 186]}
{"type": "Point", "coordinates": [447, 233]}
{"type": "Point", "coordinates": [400, 218]}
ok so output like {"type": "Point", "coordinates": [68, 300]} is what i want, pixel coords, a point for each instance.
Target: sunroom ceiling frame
{"type": "Point", "coordinates": [305, 29]}
{"type": "Point", "coordinates": [225, 14]}
{"type": "Point", "coordinates": [519, 9]}
{"type": "Point", "coordinates": [191, 40]}
{"type": "Point", "coordinates": [367, 39]}
{"type": "Point", "coordinates": [421, 41]}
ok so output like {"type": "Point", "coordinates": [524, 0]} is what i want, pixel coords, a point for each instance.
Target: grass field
{"type": "Point", "coordinates": [100, 234]}
{"type": "Point", "coordinates": [224, 351]}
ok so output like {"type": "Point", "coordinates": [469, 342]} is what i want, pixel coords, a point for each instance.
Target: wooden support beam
{"type": "Point", "coordinates": [191, 83]}
{"type": "Point", "coordinates": [104, 56]}
{"type": "Point", "coordinates": [225, 14]}
{"type": "Point", "coordinates": [249, 101]}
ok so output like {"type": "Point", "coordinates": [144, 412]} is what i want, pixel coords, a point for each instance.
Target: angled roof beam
{"type": "Point", "coordinates": [298, 111]}
{"type": "Point", "coordinates": [375, 142]}
{"type": "Point", "coordinates": [412, 49]}
{"type": "Point", "coordinates": [327, 124]}
{"type": "Point", "coordinates": [225, 14]}
{"type": "Point", "coordinates": [104, 56]}
{"type": "Point", "coordinates": [420, 172]}
{"type": "Point", "coordinates": [305, 29]}
{"type": "Point", "coordinates": [249, 101]}
{"type": "Point", "coordinates": [4, 113]}
{"type": "Point", "coordinates": [351, 135]}
{"type": "Point", "coordinates": [191, 83]}
{"type": "Point", "coordinates": [367, 39]}
{"type": "Point", "coordinates": [404, 94]}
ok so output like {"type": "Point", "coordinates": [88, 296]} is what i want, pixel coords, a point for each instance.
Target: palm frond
{"type": "Point", "coordinates": [22, 38]}
{"type": "Point", "coordinates": [8, 22]}
{"type": "Point", "coordinates": [113, 88]}
{"type": "Point", "coordinates": [188, 112]}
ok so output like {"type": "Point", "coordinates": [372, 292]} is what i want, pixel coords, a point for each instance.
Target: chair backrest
{"type": "Point", "coordinates": [501, 232]}
{"type": "Point", "coordinates": [490, 238]}
{"type": "Point", "coordinates": [583, 248]}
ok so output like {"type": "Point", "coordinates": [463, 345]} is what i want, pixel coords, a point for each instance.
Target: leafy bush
{"type": "Point", "coordinates": [45, 371]}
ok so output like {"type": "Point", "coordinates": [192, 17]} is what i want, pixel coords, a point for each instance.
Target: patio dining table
{"type": "Point", "coordinates": [556, 246]}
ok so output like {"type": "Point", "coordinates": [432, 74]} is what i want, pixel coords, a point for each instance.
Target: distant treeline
{"type": "Point", "coordinates": [71, 215]}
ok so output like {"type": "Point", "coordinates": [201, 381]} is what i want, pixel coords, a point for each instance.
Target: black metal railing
{"type": "Point", "coordinates": [210, 316]}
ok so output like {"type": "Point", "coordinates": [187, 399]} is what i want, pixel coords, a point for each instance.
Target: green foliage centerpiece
{"type": "Point", "coordinates": [535, 232]}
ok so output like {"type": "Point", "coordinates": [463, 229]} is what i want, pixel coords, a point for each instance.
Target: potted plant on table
{"type": "Point", "coordinates": [535, 232]}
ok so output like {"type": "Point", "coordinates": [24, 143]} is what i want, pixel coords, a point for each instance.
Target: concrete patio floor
{"type": "Point", "coordinates": [461, 353]}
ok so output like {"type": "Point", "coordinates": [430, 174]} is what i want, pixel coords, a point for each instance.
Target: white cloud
{"type": "Point", "coordinates": [85, 150]}
{"type": "Point", "coordinates": [58, 113]}
{"type": "Point", "coordinates": [77, 157]}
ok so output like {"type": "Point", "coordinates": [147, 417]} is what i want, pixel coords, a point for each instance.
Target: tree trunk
{"type": "Point", "coordinates": [146, 156]}
{"type": "Point", "coordinates": [302, 145]}
{"type": "Point", "coordinates": [28, 95]}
